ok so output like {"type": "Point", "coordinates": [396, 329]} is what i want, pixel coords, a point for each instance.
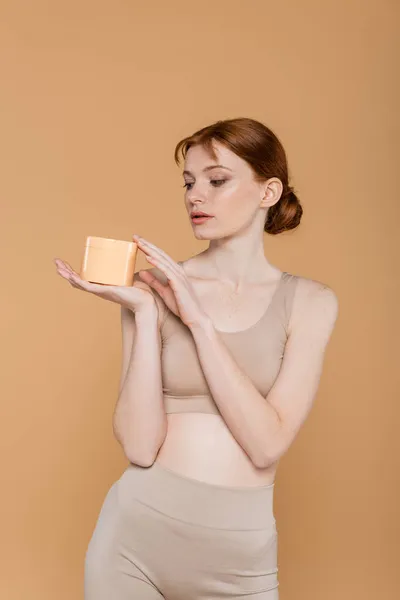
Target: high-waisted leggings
{"type": "Point", "coordinates": [163, 535]}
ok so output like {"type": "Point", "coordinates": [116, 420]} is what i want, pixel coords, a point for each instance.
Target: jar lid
{"type": "Point", "coordinates": [109, 243]}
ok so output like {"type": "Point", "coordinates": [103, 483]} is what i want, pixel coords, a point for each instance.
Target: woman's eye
{"type": "Point", "coordinates": [215, 182]}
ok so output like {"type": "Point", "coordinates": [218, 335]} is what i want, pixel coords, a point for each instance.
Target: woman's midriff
{"type": "Point", "coordinates": [200, 446]}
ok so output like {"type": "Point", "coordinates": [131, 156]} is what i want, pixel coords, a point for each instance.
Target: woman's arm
{"type": "Point", "coordinates": [265, 427]}
{"type": "Point", "coordinates": [139, 420]}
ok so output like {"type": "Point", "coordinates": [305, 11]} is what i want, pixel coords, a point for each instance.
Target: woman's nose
{"type": "Point", "coordinates": [195, 195]}
{"type": "Point", "coordinates": [196, 199]}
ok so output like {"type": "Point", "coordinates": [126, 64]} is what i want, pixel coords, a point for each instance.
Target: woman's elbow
{"type": "Point", "coordinates": [143, 456]}
{"type": "Point", "coordinates": [141, 460]}
{"type": "Point", "coordinates": [263, 458]}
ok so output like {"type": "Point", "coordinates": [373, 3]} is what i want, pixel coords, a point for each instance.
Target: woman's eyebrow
{"type": "Point", "coordinates": [208, 169]}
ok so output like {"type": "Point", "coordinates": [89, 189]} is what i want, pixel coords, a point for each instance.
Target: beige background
{"type": "Point", "coordinates": [94, 96]}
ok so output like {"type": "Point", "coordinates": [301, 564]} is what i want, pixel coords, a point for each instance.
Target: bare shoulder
{"type": "Point", "coordinates": [314, 304]}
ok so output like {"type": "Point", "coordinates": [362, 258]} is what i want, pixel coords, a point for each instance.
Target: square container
{"type": "Point", "coordinates": [109, 261]}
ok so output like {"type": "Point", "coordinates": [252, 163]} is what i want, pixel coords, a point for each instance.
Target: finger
{"type": "Point", "coordinates": [68, 273]}
{"type": "Point", "coordinates": [60, 264]}
{"type": "Point", "coordinates": [66, 266]}
{"type": "Point", "coordinates": [160, 263]}
{"type": "Point", "coordinates": [82, 284]}
{"type": "Point", "coordinates": [173, 277]}
{"type": "Point", "coordinates": [72, 270]}
{"type": "Point", "coordinates": [147, 247]}
{"type": "Point", "coordinates": [100, 289]}
{"type": "Point", "coordinates": [63, 271]}
{"type": "Point", "coordinates": [154, 251]}
{"type": "Point", "coordinates": [151, 280]}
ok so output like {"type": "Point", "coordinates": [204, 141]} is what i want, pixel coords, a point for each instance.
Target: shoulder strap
{"type": "Point", "coordinates": [291, 282]}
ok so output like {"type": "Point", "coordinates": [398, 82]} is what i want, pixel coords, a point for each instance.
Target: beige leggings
{"type": "Point", "coordinates": [162, 535]}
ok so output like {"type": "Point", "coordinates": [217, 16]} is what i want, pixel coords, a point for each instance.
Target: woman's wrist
{"type": "Point", "coordinates": [146, 316]}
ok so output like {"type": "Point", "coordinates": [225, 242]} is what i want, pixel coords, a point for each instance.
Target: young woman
{"type": "Point", "coordinates": [222, 356]}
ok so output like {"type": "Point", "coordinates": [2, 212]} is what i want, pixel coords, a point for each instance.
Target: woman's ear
{"type": "Point", "coordinates": [272, 192]}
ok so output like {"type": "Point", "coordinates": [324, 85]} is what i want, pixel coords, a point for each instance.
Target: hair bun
{"type": "Point", "coordinates": [285, 214]}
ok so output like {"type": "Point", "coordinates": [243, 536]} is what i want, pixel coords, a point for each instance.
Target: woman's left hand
{"type": "Point", "coordinates": [178, 294]}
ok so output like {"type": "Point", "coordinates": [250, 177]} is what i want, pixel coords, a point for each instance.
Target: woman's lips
{"type": "Point", "coordinates": [199, 220]}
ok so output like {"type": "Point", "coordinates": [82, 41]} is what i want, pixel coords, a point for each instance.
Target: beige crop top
{"type": "Point", "coordinates": [258, 350]}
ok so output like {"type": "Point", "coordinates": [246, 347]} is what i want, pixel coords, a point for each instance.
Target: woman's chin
{"type": "Point", "coordinates": [206, 235]}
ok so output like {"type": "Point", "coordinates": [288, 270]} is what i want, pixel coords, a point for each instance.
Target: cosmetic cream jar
{"type": "Point", "coordinates": [108, 261]}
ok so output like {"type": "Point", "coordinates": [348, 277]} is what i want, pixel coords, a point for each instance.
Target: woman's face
{"type": "Point", "coordinates": [225, 189]}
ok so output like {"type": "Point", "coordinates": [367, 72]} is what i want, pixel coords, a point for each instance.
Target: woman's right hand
{"type": "Point", "coordinates": [138, 297]}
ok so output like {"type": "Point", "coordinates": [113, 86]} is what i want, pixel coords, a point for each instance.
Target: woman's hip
{"type": "Point", "coordinates": [196, 502]}
{"type": "Point", "coordinates": [182, 534]}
